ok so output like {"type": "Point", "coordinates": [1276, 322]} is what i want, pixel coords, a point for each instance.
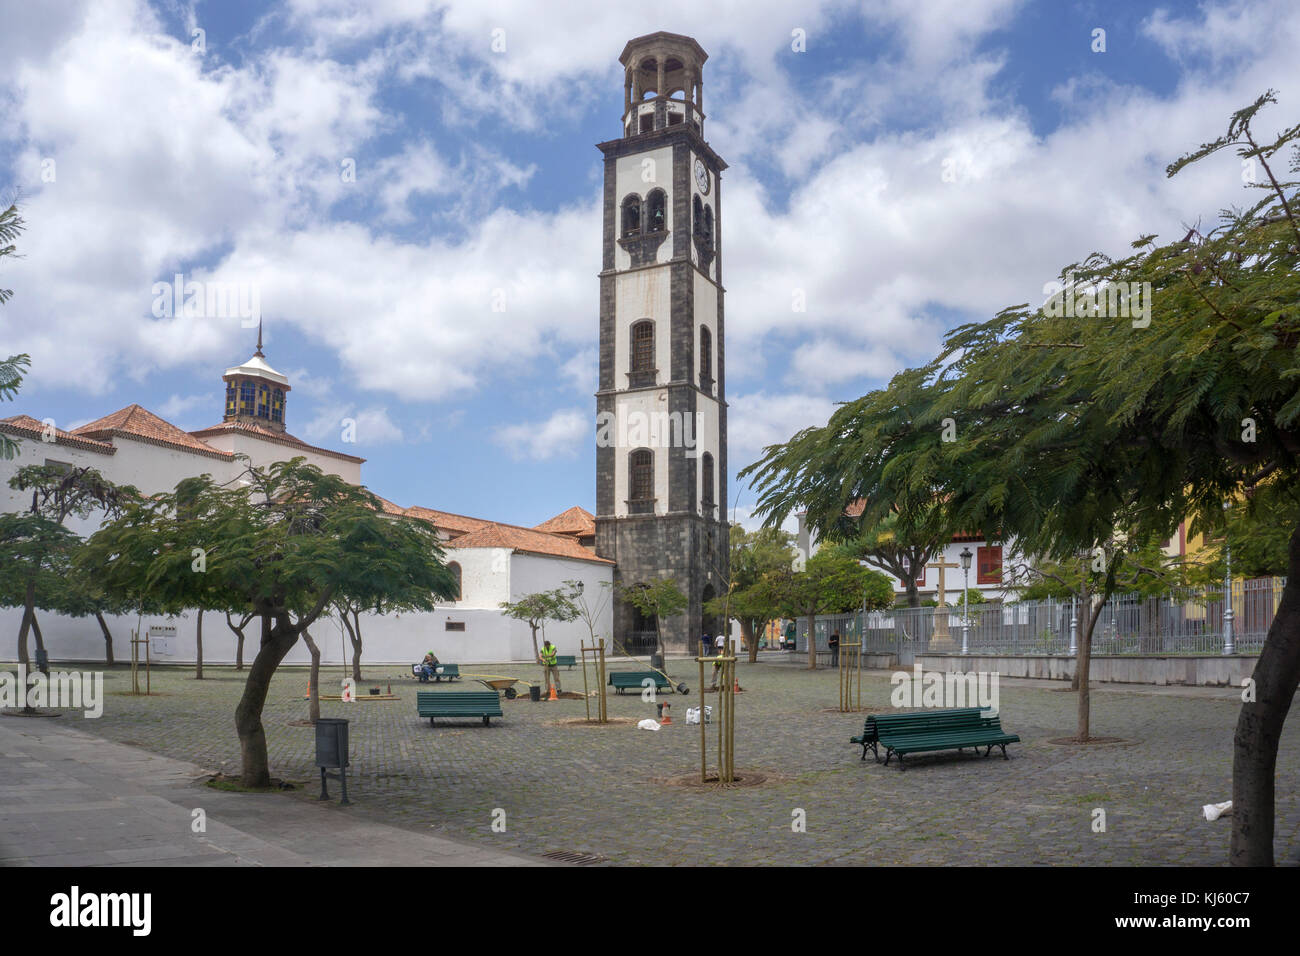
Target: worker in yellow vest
{"type": "Point", "coordinates": [550, 662]}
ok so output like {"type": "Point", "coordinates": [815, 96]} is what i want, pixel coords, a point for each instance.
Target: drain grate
{"type": "Point", "coordinates": [572, 856]}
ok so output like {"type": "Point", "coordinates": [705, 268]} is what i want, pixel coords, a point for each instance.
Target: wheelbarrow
{"type": "Point", "coordinates": [503, 685]}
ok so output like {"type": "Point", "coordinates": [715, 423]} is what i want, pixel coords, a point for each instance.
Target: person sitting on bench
{"type": "Point", "coordinates": [428, 666]}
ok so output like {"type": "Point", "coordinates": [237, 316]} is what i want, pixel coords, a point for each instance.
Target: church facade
{"type": "Point", "coordinates": [661, 464]}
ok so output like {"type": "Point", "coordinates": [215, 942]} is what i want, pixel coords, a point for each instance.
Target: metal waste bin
{"type": "Point", "coordinates": [657, 661]}
{"type": "Point", "coordinates": [332, 752]}
{"type": "Point", "coordinates": [535, 692]}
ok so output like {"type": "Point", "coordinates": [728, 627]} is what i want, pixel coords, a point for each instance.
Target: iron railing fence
{"type": "Point", "coordinates": [1187, 622]}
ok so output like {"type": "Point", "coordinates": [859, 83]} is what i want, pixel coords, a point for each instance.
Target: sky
{"type": "Point", "coordinates": [412, 188]}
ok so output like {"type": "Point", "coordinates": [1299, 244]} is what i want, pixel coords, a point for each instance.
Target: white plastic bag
{"type": "Point", "coordinates": [648, 724]}
{"type": "Point", "coordinates": [1213, 811]}
{"type": "Point", "coordinates": [693, 714]}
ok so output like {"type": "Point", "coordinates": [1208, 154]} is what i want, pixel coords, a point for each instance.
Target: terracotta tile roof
{"type": "Point", "coordinates": [577, 521]}
{"type": "Point", "coordinates": [459, 524]}
{"type": "Point", "coordinates": [137, 422]}
{"type": "Point", "coordinates": [24, 426]}
{"type": "Point", "coordinates": [525, 539]}
{"type": "Point", "coordinates": [283, 438]}
{"type": "Point", "coordinates": [389, 507]}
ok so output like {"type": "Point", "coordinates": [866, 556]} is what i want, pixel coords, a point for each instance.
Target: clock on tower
{"type": "Point", "coordinates": [661, 456]}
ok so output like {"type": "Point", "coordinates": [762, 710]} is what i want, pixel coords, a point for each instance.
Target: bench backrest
{"type": "Point", "coordinates": [457, 698]}
{"type": "Point", "coordinates": [634, 678]}
{"type": "Point", "coordinates": [922, 721]}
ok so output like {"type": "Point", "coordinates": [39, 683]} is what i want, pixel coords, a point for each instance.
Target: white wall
{"type": "Point", "coordinates": [262, 453]}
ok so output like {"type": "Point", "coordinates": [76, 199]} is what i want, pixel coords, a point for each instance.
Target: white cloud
{"type": "Point", "coordinates": [556, 437]}
{"type": "Point", "coordinates": [339, 424]}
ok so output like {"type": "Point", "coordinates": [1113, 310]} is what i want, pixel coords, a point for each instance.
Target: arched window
{"type": "Point", "coordinates": [454, 568]}
{"type": "Point", "coordinates": [697, 219]}
{"type": "Point", "coordinates": [632, 215]}
{"type": "Point", "coordinates": [656, 211]}
{"type": "Point", "coordinates": [708, 227]}
{"type": "Point", "coordinates": [706, 479]}
{"type": "Point", "coordinates": [643, 347]}
{"type": "Point", "coordinates": [641, 476]}
{"type": "Point", "coordinates": [706, 357]}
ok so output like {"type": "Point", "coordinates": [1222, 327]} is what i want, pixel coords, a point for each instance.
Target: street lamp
{"type": "Point", "coordinates": [965, 596]}
{"type": "Point", "coordinates": [1228, 647]}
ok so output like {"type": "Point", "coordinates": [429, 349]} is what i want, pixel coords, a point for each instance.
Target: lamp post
{"type": "Point", "coordinates": [965, 597]}
{"type": "Point", "coordinates": [1228, 647]}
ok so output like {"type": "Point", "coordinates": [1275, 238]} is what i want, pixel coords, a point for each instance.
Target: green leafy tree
{"type": "Point", "coordinates": [58, 493]}
{"type": "Point", "coordinates": [11, 377]}
{"type": "Point", "coordinates": [285, 541]}
{"type": "Point", "coordinates": [832, 582]}
{"type": "Point", "coordinates": [752, 598]}
{"type": "Point", "coordinates": [1056, 425]}
{"type": "Point", "coordinates": [538, 608]}
{"type": "Point", "coordinates": [658, 600]}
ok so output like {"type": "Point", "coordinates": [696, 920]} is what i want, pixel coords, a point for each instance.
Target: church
{"type": "Point", "coordinates": [661, 490]}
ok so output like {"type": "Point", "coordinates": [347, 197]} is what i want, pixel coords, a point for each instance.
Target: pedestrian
{"type": "Point", "coordinates": [550, 662]}
{"type": "Point", "coordinates": [835, 650]}
{"type": "Point", "coordinates": [706, 645]}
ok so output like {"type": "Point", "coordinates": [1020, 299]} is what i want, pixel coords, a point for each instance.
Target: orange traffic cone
{"type": "Point", "coordinates": [553, 697]}
{"type": "Point", "coordinates": [737, 689]}
{"type": "Point", "coordinates": [668, 718]}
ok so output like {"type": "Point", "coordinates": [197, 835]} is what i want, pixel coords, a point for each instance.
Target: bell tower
{"type": "Point", "coordinates": [255, 392]}
{"type": "Point", "coordinates": [661, 455]}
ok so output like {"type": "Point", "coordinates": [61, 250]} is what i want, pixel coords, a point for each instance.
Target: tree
{"type": "Point", "coordinates": [536, 609]}
{"type": "Point", "coordinates": [76, 593]}
{"type": "Point", "coordinates": [588, 609]}
{"type": "Point", "coordinates": [832, 582]}
{"type": "Point", "coordinates": [285, 541]}
{"type": "Point", "coordinates": [245, 618]}
{"type": "Point", "coordinates": [11, 377]}
{"type": "Point", "coordinates": [751, 598]}
{"type": "Point", "coordinates": [660, 599]}
{"type": "Point", "coordinates": [1145, 389]}
{"type": "Point", "coordinates": [58, 493]}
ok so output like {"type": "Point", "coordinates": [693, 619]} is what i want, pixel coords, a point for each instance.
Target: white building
{"type": "Point", "coordinates": [495, 562]}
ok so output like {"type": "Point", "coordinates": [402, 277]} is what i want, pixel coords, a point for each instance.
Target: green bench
{"type": "Point", "coordinates": [922, 732]}
{"type": "Point", "coordinates": [869, 739]}
{"type": "Point", "coordinates": [442, 672]}
{"type": "Point", "coordinates": [566, 660]}
{"type": "Point", "coordinates": [621, 680]}
{"type": "Point", "coordinates": [458, 703]}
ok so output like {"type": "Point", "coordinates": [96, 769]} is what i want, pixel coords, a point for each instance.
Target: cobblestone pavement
{"type": "Point", "coordinates": [599, 790]}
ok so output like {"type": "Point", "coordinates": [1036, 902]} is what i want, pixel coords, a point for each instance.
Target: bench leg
{"type": "Point", "coordinates": [430, 721]}
{"type": "Point", "coordinates": [1004, 751]}
{"type": "Point", "coordinates": [989, 750]}
{"type": "Point", "coordinates": [901, 768]}
{"type": "Point", "coordinates": [889, 753]}
{"type": "Point", "coordinates": [487, 721]}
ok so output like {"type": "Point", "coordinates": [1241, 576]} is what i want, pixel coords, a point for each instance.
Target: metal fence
{"type": "Point", "coordinates": [1183, 623]}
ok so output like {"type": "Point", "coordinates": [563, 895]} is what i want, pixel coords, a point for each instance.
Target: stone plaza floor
{"type": "Point", "coordinates": [604, 791]}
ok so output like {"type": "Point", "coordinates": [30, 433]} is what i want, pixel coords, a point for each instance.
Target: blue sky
{"type": "Point", "coordinates": [918, 165]}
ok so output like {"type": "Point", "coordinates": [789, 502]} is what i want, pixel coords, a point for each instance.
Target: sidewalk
{"type": "Point", "coordinates": [69, 798]}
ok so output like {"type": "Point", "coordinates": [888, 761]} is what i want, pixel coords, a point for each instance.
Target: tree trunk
{"type": "Point", "coordinates": [198, 644]}
{"type": "Point", "coordinates": [314, 703]}
{"type": "Point", "coordinates": [41, 652]}
{"type": "Point", "coordinates": [537, 652]}
{"type": "Point", "coordinates": [812, 642]}
{"type": "Point", "coordinates": [23, 660]}
{"type": "Point", "coordinates": [913, 593]}
{"type": "Point", "coordinates": [1083, 667]}
{"type": "Point", "coordinates": [748, 636]}
{"type": "Point", "coordinates": [1259, 726]}
{"type": "Point", "coordinates": [354, 636]}
{"type": "Point", "coordinates": [276, 642]}
{"type": "Point", "coordinates": [108, 639]}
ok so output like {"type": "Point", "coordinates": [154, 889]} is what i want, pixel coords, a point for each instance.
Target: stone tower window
{"type": "Point", "coordinates": [641, 480]}
{"type": "Point", "coordinates": [454, 568]}
{"type": "Point", "coordinates": [706, 358]}
{"type": "Point", "coordinates": [643, 368]}
{"type": "Point", "coordinates": [706, 476]}
{"type": "Point", "coordinates": [656, 210]}
{"type": "Point", "coordinates": [631, 215]}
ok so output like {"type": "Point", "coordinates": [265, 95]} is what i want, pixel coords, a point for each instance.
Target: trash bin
{"type": "Point", "coordinates": [657, 661]}
{"type": "Point", "coordinates": [332, 752]}
{"type": "Point", "coordinates": [535, 693]}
